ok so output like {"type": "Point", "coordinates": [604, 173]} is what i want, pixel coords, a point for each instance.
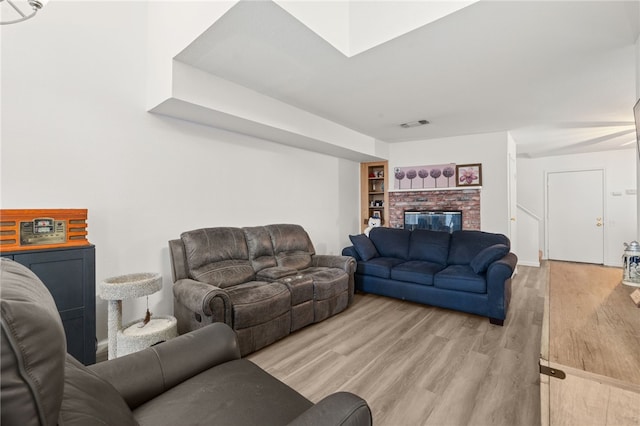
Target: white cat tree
{"type": "Point", "coordinates": [143, 332]}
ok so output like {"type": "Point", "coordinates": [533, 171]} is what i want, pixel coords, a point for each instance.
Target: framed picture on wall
{"type": "Point", "coordinates": [425, 177]}
{"type": "Point", "coordinates": [469, 175]}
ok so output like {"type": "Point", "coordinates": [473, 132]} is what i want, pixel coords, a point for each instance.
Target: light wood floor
{"type": "Point", "coordinates": [594, 338]}
{"type": "Point", "coordinates": [594, 325]}
{"type": "Point", "coordinates": [420, 365]}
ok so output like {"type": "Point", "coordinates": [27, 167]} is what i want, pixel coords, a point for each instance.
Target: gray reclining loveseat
{"type": "Point", "coordinates": [198, 378]}
{"type": "Point", "coordinates": [263, 281]}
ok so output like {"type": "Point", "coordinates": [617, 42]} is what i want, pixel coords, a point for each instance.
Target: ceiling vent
{"type": "Point", "coordinates": [414, 124]}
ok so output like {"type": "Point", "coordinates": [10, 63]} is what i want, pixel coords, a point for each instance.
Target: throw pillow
{"type": "Point", "coordinates": [486, 257]}
{"type": "Point", "coordinates": [364, 247]}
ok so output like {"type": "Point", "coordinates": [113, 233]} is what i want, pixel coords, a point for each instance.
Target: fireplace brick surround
{"type": "Point", "coordinates": [466, 200]}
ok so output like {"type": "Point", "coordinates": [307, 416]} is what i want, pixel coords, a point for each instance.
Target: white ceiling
{"type": "Point", "coordinates": [559, 75]}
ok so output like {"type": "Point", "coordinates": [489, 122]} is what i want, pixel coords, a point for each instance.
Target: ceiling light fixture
{"type": "Point", "coordinates": [414, 124]}
{"type": "Point", "coordinates": [11, 9]}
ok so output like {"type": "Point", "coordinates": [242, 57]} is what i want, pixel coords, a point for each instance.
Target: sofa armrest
{"type": "Point", "coordinates": [346, 263]}
{"type": "Point", "coordinates": [203, 300]}
{"type": "Point", "coordinates": [141, 376]}
{"type": "Point", "coordinates": [502, 269]}
{"type": "Point", "coordinates": [499, 285]}
{"type": "Point", "coordinates": [351, 251]}
{"type": "Point", "coordinates": [341, 408]}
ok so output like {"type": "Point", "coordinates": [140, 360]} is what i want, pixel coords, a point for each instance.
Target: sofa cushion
{"type": "Point", "coordinates": [461, 278]}
{"type": "Point", "coordinates": [391, 242]}
{"type": "Point", "coordinates": [275, 273]}
{"type": "Point", "coordinates": [487, 256]}
{"type": "Point", "coordinates": [225, 273]}
{"type": "Point", "coordinates": [301, 288]}
{"type": "Point", "coordinates": [465, 245]}
{"type": "Point", "coordinates": [291, 245]}
{"type": "Point", "coordinates": [364, 247]}
{"type": "Point", "coordinates": [378, 266]}
{"type": "Point", "coordinates": [233, 393]}
{"type": "Point", "coordinates": [217, 256]}
{"type": "Point", "coordinates": [416, 271]}
{"type": "Point", "coordinates": [260, 248]}
{"type": "Point", "coordinates": [90, 400]}
{"type": "Point", "coordinates": [257, 302]}
{"type": "Point", "coordinates": [327, 282]}
{"type": "Point", "coordinates": [432, 246]}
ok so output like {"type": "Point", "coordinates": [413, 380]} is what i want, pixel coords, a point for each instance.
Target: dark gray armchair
{"type": "Point", "coordinates": [195, 379]}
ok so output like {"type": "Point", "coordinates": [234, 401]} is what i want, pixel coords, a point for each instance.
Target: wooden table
{"type": "Point", "coordinates": [591, 343]}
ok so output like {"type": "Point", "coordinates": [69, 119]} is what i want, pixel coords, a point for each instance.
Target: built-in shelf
{"type": "Point", "coordinates": [374, 192]}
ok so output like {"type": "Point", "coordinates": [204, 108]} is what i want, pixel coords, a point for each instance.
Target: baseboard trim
{"type": "Point", "coordinates": [102, 350]}
{"type": "Point", "coordinates": [529, 263]}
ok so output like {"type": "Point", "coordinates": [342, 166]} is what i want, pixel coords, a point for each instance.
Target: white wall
{"type": "Point", "coordinates": [528, 238]}
{"type": "Point", "coordinates": [355, 26]}
{"type": "Point", "coordinates": [75, 134]}
{"type": "Point", "coordinates": [620, 175]}
{"type": "Point", "coordinates": [489, 149]}
{"type": "Point", "coordinates": [637, 146]}
{"type": "Point", "coordinates": [171, 26]}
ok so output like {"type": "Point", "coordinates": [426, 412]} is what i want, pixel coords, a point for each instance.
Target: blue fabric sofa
{"type": "Point", "coordinates": [468, 271]}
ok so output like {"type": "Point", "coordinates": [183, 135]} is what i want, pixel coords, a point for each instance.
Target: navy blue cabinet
{"type": "Point", "coordinates": [69, 274]}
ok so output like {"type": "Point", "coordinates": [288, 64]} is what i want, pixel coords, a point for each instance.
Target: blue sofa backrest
{"type": "Point", "coordinates": [466, 244]}
{"type": "Point", "coordinates": [391, 242]}
{"type": "Point", "coordinates": [432, 246]}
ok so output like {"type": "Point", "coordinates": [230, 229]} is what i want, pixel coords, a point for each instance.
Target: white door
{"type": "Point", "coordinates": [575, 219]}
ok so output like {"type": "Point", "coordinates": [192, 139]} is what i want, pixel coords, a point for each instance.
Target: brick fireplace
{"type": "Point", "coordinates": [466, 200]}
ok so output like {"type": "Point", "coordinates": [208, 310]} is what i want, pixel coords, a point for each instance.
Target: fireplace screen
{"type": "Point", "coordinates": [447, 221]}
